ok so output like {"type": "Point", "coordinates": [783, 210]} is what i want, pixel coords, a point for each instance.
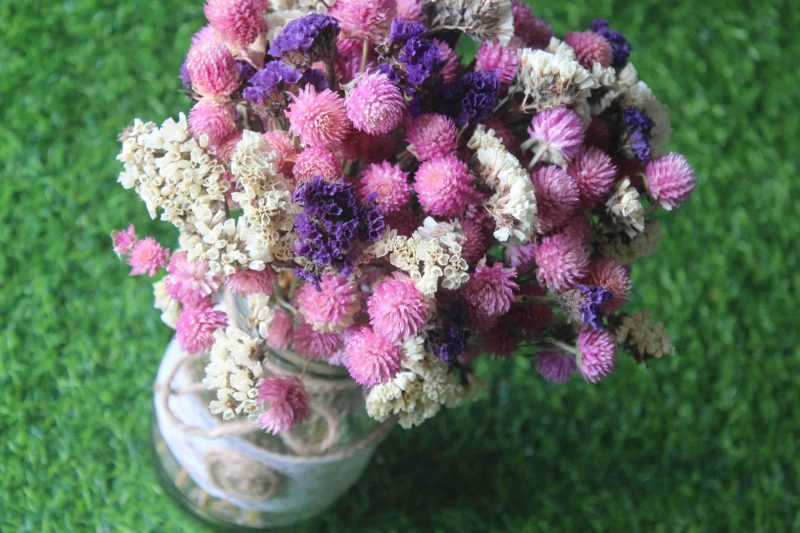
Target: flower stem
{"type": "Point", "coordinates": [364, 55]}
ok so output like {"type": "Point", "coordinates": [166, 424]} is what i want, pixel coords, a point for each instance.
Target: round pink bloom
{"type": "Point", "coordinates": [504, 132]}
{"type": "Point", "coordinates": [593, 171]}
{"type": "Point", "coordinates": [279, 332]}
{"type": "Point", "coordinates": [332, 306]}
{"type": "Point", "coordinates": [319, 119]}
{"type": "Point", "coordinates": [124, 240]}
{"type": "Point", "coordinates": [280, 142]}
{"type": "Point", "coordinates": [556, 367]}
{"type": "Point", "coordinates": [370, 358]}
{"type": "Point", "coordinates": [500, 60]}
{"type": "Point", "coordinates": [365, 19]}
{"type": "Point", "coordinates": [450, 59]}
{"type": "Point", "coordinates": [577, 228]}
{"type": "Point", "coordinates": [596, 352]}
{"type": "Point", "coordinates": [225, 150]}
{"type": "Point", "coordinates": [211, 66]}
{"type": "Point", "coordinates": [410, 10]}
{"type": "Point", "coordinates": [313, 344]}
{"type": "Point", "coordinates": [246, 282]}
{"type": "Point", "coordinates": [590, 48]}
{"type": "Point", "coordinates": [316, 161]}
{"type": "Point", "coordinates": [476, 240]}
{"type": "Point", "coordinates": [670, 180]}
{"type": "Point", "coordinates": [147, 256]}
{"type": "Point", "coordinates": [559, 132]}
{"type": "Point", "coordinates": [375, 104]}
{"type": "Point", "coordinates": [557, 196]}
{"type": "Point", "coordinates": [287, 401]}
{"type": "Point", "coordinates": [348, 57]}
{"type": "Point", "coordinates": [490, 291]}
{"type": "Point", "coordinates": [610, 275]}
{"type": "Point", "coordinates": [397, 309]}
{"type": "Point", "coordinates": [521, 257]}
{"type": "Point", "coordinates": [388, 183]}
{"type": "Point", "coordinates": [431, 135]}
{"type": "Point", "coordinates": [534, 31]}
{"type": "Point", "coordinates": [561, 261]}
{"type": "Point", "coordinates": [187, 281]}
{"type": "Point", "coordinates": [367, 148]}
{"type": "Point", "coordinates": [215, 119]}
{"type": "Point", "coordinates": [196, 326]}
{"type": "Point", "coordinates": [238, 21]}
{"type": "Point", "coordinates": [442, 185]}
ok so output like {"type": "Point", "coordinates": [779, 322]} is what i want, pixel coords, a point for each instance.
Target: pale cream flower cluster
{"type": "Point", "coordinates": [639, 95]}
{"type": "Point", "coordinates": [261, 312]}
{"type": "Point", "coordinates": [647, 340]}
{"type": "Point", "coordinates": [625, 251]}
{"type": "Point", "coordinates": [612, 84]}
{"type": "Point", "coordinates": [483, 20]}
{"type": "Point", "coordinates": [233, 370]}
{"type": "Point", "coordinates": [170, 309]}
{"type": "Point", "coordinates": [433, 252]}
{"type": "Point", "coordinates": [625, 207]}
{"type": "Point", "coordinates": [419, 390]}
{"type": "Point", "coordinates": [513, 204]}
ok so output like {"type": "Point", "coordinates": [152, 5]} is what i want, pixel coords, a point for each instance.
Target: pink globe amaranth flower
{"type": "Point", "coordinates": [530, 318]}
{"type": "Point", "coordinates": [559, 132]}
{"type": "Point", "coordinates": [246, 282]}
{"type": "Point", "coordinates": [211, 66]}
{"type": "Point", "coordinates": [508, 138]}
{"type": "Point", "coordinates": [367, 148]}
{"type": "Point", "coordinates": [557, 196]}
{"type": "Point", "coordinates": [217, 120]}
{"type": "Point", "coordinates": [531, 29]}
{"type": "Point", "coordinates": [442, 185]}
{"type": "Point", "coordinates": [388, 183]}
{"type": "Point", "coordinates": [279, 332]}
{"type": "Point", "coordinates": [332, 306]}
{"type": "Point", "coordinates": [124, 240]}
{"type": "Point", "coordinates": [431, 135]}
{"type": "Point", "coordinates": [313, 344]}
{"type": "Point", "coordinates": [610, 275]}
{"type": "Point", "coordinates": [521, 257]}
{"type": "Point", "coordinates": [225, 150]}
{"type": "Point", "coordinates": [397, 309]}
{"type": "Point", "coordinates": [476, 240]}
{"type": "Point", "coordinates": [280, 142]}
{"type": "Point", "coordinates": [590, 48]}
{"type": "Point", "coordinates": [189, 282]}
{"type": "Point", "coordinates": [287, 403]}
{"type": "Point", "coordinates": [370, 358]}
{"type": "Point", "coordinates": [410, 10]}
{"type": "Point", "coordinates": [375, 104]}
{"type": "Point", "coordinates": [319, 119]}
{"type": "Point", "coordinates": [555, 366]}
{"type": "Point", "coordinates": [500, 60]}
{"type": "Point", "coordinates": [348, 57]}
{"type": "Point", "coordinates": [196, 326]}
{"type": "Point", "coordinates": [593, 171]}
{"type": "Point", "coordinates": [238, 21]}
{"type": "Point", "coordinates": [670, 180]}
{"type": "Point", "coordinates": [561, 261]}
{"type": "Point", "coordinates": [489, 292]}
{"type": "Point", "coordinates": [316, 161]}
{"type": "Point", "coordinates": [450, 59]}
{"type": "Point", "coordinates": [147, 256]}
{"type": "Point", "coordinates": [596, 352]}
{"type": "Point", "coordinates": [577, 228]}
{"type": "Point", "coordinates": [365, 19]}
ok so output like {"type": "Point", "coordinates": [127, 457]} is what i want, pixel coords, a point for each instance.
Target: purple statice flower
{"type": "Point", "coordinates": [421, 61]}
{"type": "Point", "coordinates": [306, 40]}
{"type": "Point", "coordinates": [331, 223]}
{"type": "Point", "coordinates": [620, 47]}
{"type": "Point", "coordinates": [448, 335]}
{"type": "Point", "coordinates": [472, 97]}
{"type": "Point", "coordinates": [270, 80]}
{"type": "Point", "coordinates": [314, 77]}
{"type": "Point", "coordinates": [246, 70]}
{"type": "Point", "coordinates": [637, 125]}
{"type": "Point", "coordinates": [589, 308]}
{"type": "Point", "coordinates": [186, 81]}
{"type": "Point", "coordinates": [401, 31]}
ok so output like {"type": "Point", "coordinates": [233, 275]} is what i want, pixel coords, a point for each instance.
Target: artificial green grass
{"type": "Point", "coordinates": [707, 440]}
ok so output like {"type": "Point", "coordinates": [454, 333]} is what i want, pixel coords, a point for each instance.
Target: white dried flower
{"type": "Point", "coordinates": [233, 370]}
{"type": "Point", "coordinates": [625, 208]}
{"type": "Point", "coordinates": [261, 313]}
{"type": "Point", "coordinates": [170, 309]}
{"type": "Point", "coordinates": [483, 20]}
{"type": "Point", "coordinates": [639, 95]}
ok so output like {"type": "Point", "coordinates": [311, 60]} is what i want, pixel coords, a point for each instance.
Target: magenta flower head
{"type": "Point", "coordinates": [489, 292]}
{"type": "Point", "coordinates": [561, 261]}
{"type": "Point", "coordinates": [533, 31]}
{"type": "Point", "coordinates": [246, 282]}
{"type": "Point", "coordinates": [450, 59]}
{"type": "Point", "coordinates": [147, 256]}
{"type": "Point", "coordinates": [397, 309]}
{"type": "Point", "coordinates": [590, 48]}
{"type": "Point", "coordinates": [211, 66]}
{"type": "Point", "coordinates": [238, 21]}
{"type": "Point", "coordinates": [365, 19]}
{"type": "Point", "coordinates": [501, 60]}
{"type": "Point", "coordinates": [557, 196]}
{"type": "Point", "coordinates": [189, 282]}
{"type": "Point", "coordinates": [319, 119]}
{"type": "Point", "coordinates": [216, 120]}
{"type": "Point", "coordinates": [389, 185]}
{"type": "Point", "coordinates": [596, 353]}
{"type": "Point", "coordinates": [287, 403]}
{"type": "Point", "coordinates": [196, 326]}
{"type": "Point", "coordinates": [613, 277]}
{"type": "Point", "coordinates": [555, 366]}
{"type": "Point", "coordinates": [124, 240]}
{"type": "Point", "coordinates": [442, 186]}
{"type": "Point", "coordinates": [670, 180]}
{"type": "Point", "coordinates": [279, 333]}
{"type": "Point", "coordinates": [314, 344]}
{"type": "Point", "coordinates": [593, 172]}
{"type": "Point", "coordinates": [431, 135]}
{"type": "Point", "coordinates": [410, 10]}
{"type": "Point", "coordinates": [476, 239]}
{"type": "Point", "coordinates": [280, 142]}
{"type": "Point", "coordinates": [521, 257]}
{"type": "Point", "coordinates": [370, 358]}
{"type": "Point", "coordinates": [375, 104]}
{"type": "Point", "coordinates": [316, 161]}
{"type": "Point", "coordinates": [330, 307]}
{"type": "Point", "coordinates": [556, 136]}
